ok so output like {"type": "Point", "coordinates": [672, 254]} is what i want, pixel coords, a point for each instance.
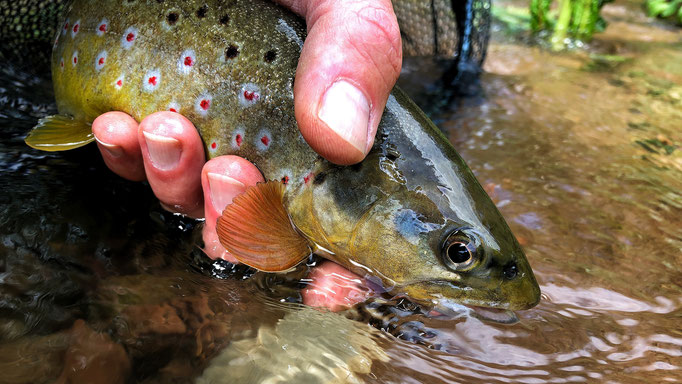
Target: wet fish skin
{"type": "Point", "coordinates": [410, 194]}
{"type": "Point", "coordinates": [229, 67]}
{"type": "Point", "coordinates": [428, 28]}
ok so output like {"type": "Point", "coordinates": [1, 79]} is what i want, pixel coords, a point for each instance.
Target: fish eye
{"type": "Point", "coordinates": [459, 251]}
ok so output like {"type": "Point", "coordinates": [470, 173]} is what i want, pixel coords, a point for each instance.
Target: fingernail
{"type": "Point", "coordinates": [112, 149]}
{"type": "Point", "coordinates": [223, 190]}
{"type": "Point", "coordinates": [164, 151]}
{"type": "Point", "coordinates": [346, 111]}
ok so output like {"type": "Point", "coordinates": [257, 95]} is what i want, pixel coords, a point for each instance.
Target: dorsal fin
{"type": "Point", "coordinates": [59, 133]}
{"type": "Point", "coordinates": [257, 231]}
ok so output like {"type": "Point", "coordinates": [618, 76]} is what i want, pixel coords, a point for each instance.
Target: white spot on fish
{"type": "Point", "coordinates": [213, 146]}
{"type": "Point", "coordinates": [174, 107]}
{"type": "Point", "coordinates": [263, 140]}
{"type": "Point", "coordinates": [151, 80]}
{"type": "Point", "coordinates": [289, 32]}
{"type": "Point", "coordinates": [74, 58]}
{"type": "Point", "coordinates": [249, 95]}
{"type": "Point", "coordinates": [118, 83]}
{"type": "Point", "coordinates": [129, 37]}
{"type": "Point", "coordinates": [76, 27]}
{"type": "Point", "coordinates": [186, 61]}
{"type": "Point", "coordinates": [203, 104]}
{"type": "Point", "coordinates": [100, 60]}
{"type": "Point", "coordinates": [102, 27]}
{"type": "Point", "coordinates": [66, 27]}
{"type": "Point", "coordinates": [237, 138]}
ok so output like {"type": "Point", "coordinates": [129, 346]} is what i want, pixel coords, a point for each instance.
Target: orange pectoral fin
{"type": "Point", "coordinates": [257, 231]}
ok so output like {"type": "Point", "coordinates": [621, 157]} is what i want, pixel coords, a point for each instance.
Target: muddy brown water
{"type": "Point", "coordinates": [581, 151]}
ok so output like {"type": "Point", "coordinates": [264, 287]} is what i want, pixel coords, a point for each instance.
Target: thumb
{"type": "Point", "coordinates": [350, 61]}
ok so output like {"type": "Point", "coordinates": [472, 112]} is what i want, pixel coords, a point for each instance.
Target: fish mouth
{"type": "Point", "coordinates": [447, 298]}
{"type": "Point", "coordinates": [446, 309]}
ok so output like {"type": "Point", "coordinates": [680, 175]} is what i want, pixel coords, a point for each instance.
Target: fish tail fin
{"type": "Point", "coordinates": [256, 230]}
{"type": "Point", "coordinates": [59, 133]}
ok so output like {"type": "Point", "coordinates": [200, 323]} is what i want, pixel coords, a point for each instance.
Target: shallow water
{"type": "Point", "coordinates": [581, 153]}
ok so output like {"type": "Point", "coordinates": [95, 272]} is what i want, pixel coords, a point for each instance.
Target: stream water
{"type": "Point", "coordinates": [581, 151]}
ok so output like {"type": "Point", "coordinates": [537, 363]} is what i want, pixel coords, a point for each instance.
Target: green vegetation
{"type": "Point", "coordinates": [665, 9]}
{"type": "Point", "coordinates": [513, 19]}
{"type": "Point", "coordinates": [573, 20]}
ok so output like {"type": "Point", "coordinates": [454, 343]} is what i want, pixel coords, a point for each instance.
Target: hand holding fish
{"type": "Point", "coordinates": [411, 218]}
{"type": "Point", "coordinates": [349, 64]}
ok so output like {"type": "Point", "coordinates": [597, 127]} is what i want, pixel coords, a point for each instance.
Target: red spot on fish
{"type": "Point", "coordinates": [214, 145]}
{"type": "Point", "coordinates": [75, 60]}
{"type": "Point", "coordinates": [119, 83]}
{"type": "Point", "coordinates": [100, 61]}
{"type": "Point", "coordinates": [75, 28]}
{"type": "Point", "coordinates": [173, 110]}
{"type": "Point", "coordinates": [205, 104]}
{"type": "Point", "coordinates": [238, 139]}
{"type": "Point", "coordinates": [251, 96]}
{"type": "Point", "coordinates": [308, 177]}
{"type": "Point", "coordinates": [285, 180]}
{"type": "Point", "coordinates": [66, 26]}
{"type": "Point", "coordinates": [265, 140]}
{"type": "Point", "coordinates": [188, 61]}
{"type": "Point", "coordinates": [130, 37]}
{"type": "Point", "coordinates": [152, 80]}
{"type": "Point", "coordinates": [61, 63]}
{"type": "Point", "coordinates": [102, 28]}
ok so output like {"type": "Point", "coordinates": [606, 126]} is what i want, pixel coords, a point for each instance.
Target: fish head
{"type": "Point", "coordinates": [419, 252]}
{"type": "Point", "coordinates": [435, 235]}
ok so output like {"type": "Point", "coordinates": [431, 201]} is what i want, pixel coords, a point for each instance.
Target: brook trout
{"type": "Point", "coordinates": [411, 217]}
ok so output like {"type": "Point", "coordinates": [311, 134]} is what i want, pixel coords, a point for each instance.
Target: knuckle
{"type": "Point", "coordinates": [380, 28]}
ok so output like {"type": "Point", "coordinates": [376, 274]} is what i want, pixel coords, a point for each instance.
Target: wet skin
{"type": "Point", "coordinates": [328, 30]}
{"type": "Point", "coordinates": [417, 201]}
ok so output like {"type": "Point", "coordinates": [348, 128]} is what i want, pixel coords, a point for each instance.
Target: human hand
{"type": "Point", "coordinates": [350, 60]}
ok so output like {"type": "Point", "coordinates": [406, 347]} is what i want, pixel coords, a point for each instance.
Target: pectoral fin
{"type": "Point", "coordinates": [257, 231]}
{"type": "Point", "coordinates": [59, 133]}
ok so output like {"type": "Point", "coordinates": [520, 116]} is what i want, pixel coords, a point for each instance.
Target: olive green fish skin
{"type": "Point", "coordinates": [229, 67]}
{"type": "Point", "coordinates": [428, 28]}
{"type": "Point", "coordinates": [232, 78]}
{"type": "Point", "coordinates": [392, 212]}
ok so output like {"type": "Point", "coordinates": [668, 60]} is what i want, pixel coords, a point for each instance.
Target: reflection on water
{"type": "Point", "coordinates": [581, 153]}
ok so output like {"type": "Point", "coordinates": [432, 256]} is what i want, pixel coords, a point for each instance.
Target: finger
{"type": "Point", "coordinates": [350, 61]}
{"type": "Point", "coordinates": [116, 135]}
{"type": "Point", "coordinates": [223, 179]}
{"type": "Point", "coordinates": [173, 155]}
{"type": "Point", "coordinates": [333, 287]}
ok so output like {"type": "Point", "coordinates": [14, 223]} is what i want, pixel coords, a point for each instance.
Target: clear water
{"type": "Point", "coordinates": [582, 153]}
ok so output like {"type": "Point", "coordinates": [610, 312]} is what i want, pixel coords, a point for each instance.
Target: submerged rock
{"type": "Point", "coordinates": [305, 346]}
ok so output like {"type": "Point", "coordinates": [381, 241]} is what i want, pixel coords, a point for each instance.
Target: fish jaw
{"type": "Point", "coordinates": [522, 294]}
